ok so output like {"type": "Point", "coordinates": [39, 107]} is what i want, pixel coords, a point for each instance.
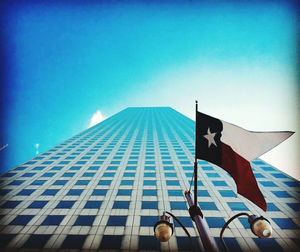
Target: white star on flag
{"type": "Point", "coordinates": [210, 137]}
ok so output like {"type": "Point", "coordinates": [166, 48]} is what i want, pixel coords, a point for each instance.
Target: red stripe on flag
{"type": "Point", "coordinates": [240, 170]}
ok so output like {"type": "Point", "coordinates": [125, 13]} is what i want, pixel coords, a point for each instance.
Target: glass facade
{"type": "Point", "coordinates": [105, 188]}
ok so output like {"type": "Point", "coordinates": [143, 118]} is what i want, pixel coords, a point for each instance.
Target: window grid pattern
{"type": "Point", "coordinates": [120, 175]}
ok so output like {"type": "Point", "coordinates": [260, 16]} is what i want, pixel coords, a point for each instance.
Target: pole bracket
{"type": "Point", "coordinates": [195, 210]}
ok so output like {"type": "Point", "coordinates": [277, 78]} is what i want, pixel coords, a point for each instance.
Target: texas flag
{"type": "Point", "coordinates": [232, 148]}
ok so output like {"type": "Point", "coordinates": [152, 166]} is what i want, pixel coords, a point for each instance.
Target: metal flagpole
{"type": "Point", "coordinates": [195, 163]}
{"type": "Point", "coordinates": [194, 210]}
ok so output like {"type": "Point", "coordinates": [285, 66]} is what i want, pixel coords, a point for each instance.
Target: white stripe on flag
{"type": "Point", "coordinates": [249, 144]}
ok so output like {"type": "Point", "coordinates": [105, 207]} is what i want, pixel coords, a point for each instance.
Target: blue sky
{"type": "Point", "coordinates": [64, 61]}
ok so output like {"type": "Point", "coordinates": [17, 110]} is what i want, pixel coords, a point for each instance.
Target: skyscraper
{"type": "Point", "coordinates": [105, 188]}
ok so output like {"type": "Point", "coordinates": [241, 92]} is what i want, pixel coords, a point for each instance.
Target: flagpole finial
{"type": "Point", "coordinates": [196, 101]}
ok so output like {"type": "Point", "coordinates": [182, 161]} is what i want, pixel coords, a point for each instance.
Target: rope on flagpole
{"type": "Point", "coordinates": [191, 182]}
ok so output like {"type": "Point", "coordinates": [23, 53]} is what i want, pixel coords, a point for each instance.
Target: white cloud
{"type": "Point", "coordinates": [37, 148]}
{"type": "Point", "coordinates": [96, 118]}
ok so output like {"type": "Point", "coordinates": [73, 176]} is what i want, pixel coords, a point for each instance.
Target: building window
{"type": "Point", "coordinates": [281, 194]}
{"type": "Point", "coordinates": [64, 162]}
{"type": "Point", "coordinates": [203, 193]}
{"type": "Point", "coordinates": [20, 168]}
{"type": "Point", "coordinates": [175, 193]}
{"type": "Point", "coordinates": [213, 175]}
{"type": "Point", "coordinates": [115, 162]}
{"type": "Point", "coordinates": [127, 182]}
{"type": "Point", "coordinates": [73, 242]}
{"type": "Point", "coordinates": [38, 204]}
{"type": "Point", "coordinates": [75, 168]}
{"type": "Point", "coordinates": [93, 204]}
{"type": "Point", "coordinates": [267, 183]}
{"type": "Point", "coordinates": [185, 162]}
{"type": "Point", "coordinates": [21, 220]}
{"type": "Point", "coordinates": [128, 174]}
{"type": "Point", "coordinates": [188, 168]}
{"type": "Point", "coordinates": [149, 183]}
{"type": "Point", "coordinates": [148, 221]}
{"type": "Point", "coordinates": [227, 193]}
{"type": "Point", "coordinates": [10, 204]}
{"type": "Point", "coordinates": [272, 207]}
{"type": "Point", "coordinates": [170, 175]}
{"type": "Point", "coordinates": [124, 192]}
{"type": "Point", "coordinates": [147, 192]}
{"type": "Point", "coordinates": [53, 220]}
{"type": "Point", "coordinates": [149, 174]}
{"type": "Point", "coordinates": [132, 162]}
{"type": "Point", "coordinates": [208, 206]}
{"type": "Point", "coordinates": [244, 222]}
{"type": "Point", "coordinates": [184, 244]}
{"type": "Point", "coordinates": [292, 184]}
{"type": "Point", "coordinates": [121, 205]}
{"type": "Point", "coordinates": [130, 168]}
{"type": "Point", "coordinates": [200, 183]}
{"type": "Point", "coordinates": [149, 168]}
{"type": "Point", "coordinates": [74, 192]}
{"type": "Point", "coordinates": [258, 175]}
{"type": "Point", "coordinates": [46, 162]}
{"type": "Point", "coordinates": [258, 162]}
{"type": "Point", "coordinates": [117, 221]}
{"type": "Point", "coordinates": [285, 223]}
{"type": "Point", "coordinates": [50, 192]}
{"type": "Point", "coordinates": [189, 174]}
{"type": "Point", "coordinates": [178, 205]}
{"type": "Point", "coordinates": [239, 206]}
{"type": "Point", "coordinates": [215, 222]}
{"type": "Point", "coordinates": [81, 162]}
{"type": "Point", "coordinates": [60, 182]}
{"type": "Point", "coordinates": [28, 174]}
{"type": "Point", "coordinates": [26, 192]}
{"type": "Point", "coordinates": [231, 244]}
{"type": "Point", "coordinates": [172, 183]}
{"type": "Point", "coordinates": [219, 183]}
{"type": "Point", "coordinates": [108, 174]}
{"type": "Point", "coordinates": [82, 182]}
{"type": "Point", "coordinates": [150, 162]}
{"type": "Point", "coordinates": [104, 182]}
{"type": "Point", "coordinates": [266, 244]}
{"type": "Point", "coordinates": [278, 175]}
{"type": "Point", "coordinates": [65, 204]}
{"type": "Point", "coordinates": [148, 243]}
{"type": "Point", "coordinates": [149, 205]}
{"type": "Point", "coordinates": [294, 206]}
{"type": "Point", "coordinates": [36, 241]}
{"type": "Point", "coordinates": [186, 221]}
{"type": "Point", "coordinates": [38, 182]}
{"type": "Point", "coordinates": [68, 174]}
{"type": "Point", "coordinates": [111, 242]}
{"type": "Point", "coordinates": [268, 168]}
{"type": "Point", "coordinates": [99, 192]}
{"type": "Point", "coordinates": [39, 168]}
{"type": "Point", "coordinates": [88, 174]}
{"type": "Point", "coordinates": [93, 168]}
{"type": "Point", "coordinates": [56, 168]}
{"type": "Point", "coordinates": [112, 168]}
{"type": "Point", "coordinates": [169, 168]}
{"type": "Point", "coordinates": [85, 220]}
{"type": "Point", "coordinates": [207, 168]}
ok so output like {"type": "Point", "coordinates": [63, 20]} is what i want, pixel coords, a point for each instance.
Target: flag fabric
{"type": "Point", "coordinates": [232, 148]}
